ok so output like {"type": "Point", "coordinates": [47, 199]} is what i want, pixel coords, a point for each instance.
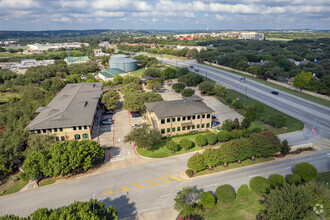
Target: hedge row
{"type": "Point", "coordinates": [257, 145]}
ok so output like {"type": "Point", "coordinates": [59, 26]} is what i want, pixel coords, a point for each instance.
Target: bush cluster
{"type": "Point", "coordinates": [259, 185]}
{"type": "Point", "coordinates": [293, 178]}
{"type": "Point", "coordinates": [243, 191]}
{"type": "Point", "coordinates": [225, 193]}
{"type": "Point", "coordinates": [208, 200]}
{"type": "Point", "coordinates": [307, 171]}
{"type": "Point", "coordinates": [276, 180]}
{"type": "Point", "coordinates": [189, 172]}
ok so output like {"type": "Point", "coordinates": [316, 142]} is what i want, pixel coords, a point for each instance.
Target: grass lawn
{"type": "Point", "coordinates": [46, 182]}
{"type": "Point", "coordinates": [138, 72]}
{"type": "Point", "coordinates": [15, 187]}
{"type": "Point", "coordinates": [325, 177]}
{"type": "Point", "coordinates": [235, 165]}
{"type": "Point", "coordinates": [167, 56]}
{"type": "Point", "coordinates": [281, 88]}
{"type": "Point", "coordinates": [277, 39]}
{"type": "Point", "coordinates": [292, 123]}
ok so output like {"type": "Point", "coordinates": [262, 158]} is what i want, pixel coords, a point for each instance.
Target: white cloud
{"type": "Point", "coordinates": [73, 4]}
{"type": "Point", "coordinates": [18, 4]}
{"type": "Point", "coordinates": [130, 5]}
{"type": "Point", "coordinates": [219, 17]}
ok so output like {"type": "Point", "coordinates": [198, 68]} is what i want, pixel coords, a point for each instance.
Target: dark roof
{"type": "Point", "coordinates": [193, 98]}
{"type": "Point", "coordinates": [74, 105]}
{"type": "Point", "coordinates": [165, 109]}
{"type": "Point", "coordinates": [109, 73]}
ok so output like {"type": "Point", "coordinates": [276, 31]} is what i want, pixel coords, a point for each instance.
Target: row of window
{"type": "Point", "coordinates": [61, 129]}
{"type": "Point", "coordinates": [184, 118]}
{"type": "Point", "coordinates": [168, 130]}
{"type": "Point", "coordinates": [76, 137]}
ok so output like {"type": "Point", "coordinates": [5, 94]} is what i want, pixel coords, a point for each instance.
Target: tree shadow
{"type": "Point", "coordinates": [125, 208]}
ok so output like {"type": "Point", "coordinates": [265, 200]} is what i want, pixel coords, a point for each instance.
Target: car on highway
{"type": "Point", "coordinates": [191, 67]}
{"type": "Point", "coordinates": [196, 70]}
{"type": "Point", "coordinates": [242, 79]}
{"type": "Point", "coordinates": [274, 92]}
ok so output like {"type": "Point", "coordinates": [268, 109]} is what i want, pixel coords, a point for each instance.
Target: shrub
{"type": "Point", "coordinates": [243, 191]}
{"type": "Point", "coordinates": [285, 148]}
{"type": "Point", "coordinates": [207, 88]}
{"type": "Point", "coordinates": [259, 185]}
{"type": "Point", "coordinates": [196, 162]}
{"type": "Point", "coordinates": [178, 87]}
{"type": "Point", "coordinates": [200, 140]}
{"type": "Point", "coordinates": [211, 157]}
{"type": "Point", "coordinates": [208, 200]}
{"type": "Point", "coordinates": [186, 143]}
{"type": "Point", "coordinates": [235, 134]}
{"type": "Point", "coordinates": [256, 130]}
{"type": "Point", "coordinates": [225, 193]}
{"type": "Point", "coordinates": [190, 172]}
{"type": "Point", "coordinates": [236, 122]}
{"type": "Point", "coordinates": [211, 138]}
{"type": "Point", "coordinates": [227, 125]}
{"type": "Point", "coordinates": [307, 171]}
{"type": "Point", "coordinates": [172, 146]}
{"type": "Point", "coordinates": [224, 136]}
{"type": "Point", "coordinates": [187, 92]}
{"type": "Point", "coordinates": [246, 122]}
{"type": "Point", "coordinates": [276, 180]}
{"type": "Point", "coordinates": [293, 178]}
{"type": "Point", "coordinates": [246, 133]}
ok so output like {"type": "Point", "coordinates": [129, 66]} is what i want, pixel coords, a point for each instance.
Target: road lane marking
{"type": "Point", "coordinates": [108, 191]}
{"type": "Point", "coordinates": [174, 178]}
{"type": "Point", "coordinates": [322, 146]}
{"type": "Point", "coordinates": [124, 188]}
{"type": "Point", "coordinates": [137, 185]}
{"type": "Point", "coordinates": [164, 180]}
{"type": "Point", "coordinates": [153, 183]}
{"type": "Point", "coordinates": [322, 142]}
{"type": "Point", "coordinates": [253, 176]}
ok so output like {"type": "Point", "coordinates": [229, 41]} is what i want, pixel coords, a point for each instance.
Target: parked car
{"type": "Point", "coordinates": [215, 123]}
{"type": "Point", "coordinates": [214, 117]}
{"type": "Point", "coordinates": [107, 121]}
{"type": "Point", "coordinates": [108, 112]}
{"type": "Point", "coordinates": [196, 70]}
{"type": "Point", "coordinates": [136, 115]}
{"type": "Point", "coordinates": [165, 90]}
{"type": "Point", "coordinates": [274, 92]}
{"type": "Point", "coordinates": [191, 67]}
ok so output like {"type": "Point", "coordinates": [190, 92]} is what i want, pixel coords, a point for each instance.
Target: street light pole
{"type": "Point", "coordinates": [245, 95]}
{"type": "Point", "coordinates": [94, 196]}
{"type": "Point", "coordinates": [312, 129]}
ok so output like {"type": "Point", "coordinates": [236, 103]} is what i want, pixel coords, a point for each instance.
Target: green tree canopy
{"type": "Point", "coordinates": [302, 79]}
{"type": "Point", "coordinates": [110, 99]}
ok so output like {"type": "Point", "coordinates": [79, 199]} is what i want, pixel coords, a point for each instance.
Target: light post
{"type": "Point", "coordinates": [94, 196]}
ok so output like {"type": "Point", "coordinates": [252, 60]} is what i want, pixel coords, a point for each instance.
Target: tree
{"type": "Point", "coordinates": [172, 146]}
{"type": "Point", "coordinates": [190, 79]}
{"type": "Point", "coordinates": [211, 158]}
{"type": "Point", "coordinates": [259, 185]}
{"type": "Point", "coordinates": [302, 79]}
{"type": "Point", "coordinates": [38, 142]}
{"type": "Point", "coordinates": [225, 193]}
{"type": "Point", "coordinates": [196, 162]}
{"type": "Point", "coordinates": [246, 133]}
{"type": "Point", "coordinates": [178, 87]}
{"type": "Point", "coordinates": [227, 125]}
{"type": "Point", "coordinates": [143, 136]}
{"type": "Point", "coordinates": [243, 191]}
{"type": "Point", "coordinates": [154, 86]}
{"type": "Point", "coordinates": [110, 99]}
{"type": "Point", "coordinates": [188, 92]}
{"type": "Point", "coordinates": [224, 136]}
{"type": "Point", "coordinates": [207, 88]}
{"type": "Point", "coordinates": [265, 143]}
{"type": "Point", "coordinates": [200, 140]}
{"type": "Point", "coordinates": [187, 198]}
{"type": "Point", "coordinates": [285, 148]}
{"type": "Point", "coordinates": [220, 90]}
{"type": "Point", "coordinates": [242, 65]}
{"type": "Point", "coordinates": [246, 122]}
{"type": "Point", "coordinates": [254, 70]}
{"type": "Point", "coordinates": [236, 123]}
{"type": "Point", "coordinates": [289, 202]}
{"type": "Point", "coordinates": [276, 180]}
{"type": "Point", "coordinates": [278, 121]}
{"type": "Point", "coordinates": [131, 79]}
{"type": "Point", "coordinates": [167, 73]}
{"type": "Point", "coordinates": [211, 138]}
{"type": "Point", "coordinates": [235, 134]}
{"type": "Point", "coordinates": [186, 143]}
{"type": "Point", "coordinates": [208, 200]}
{"type": "Point", "coordinates": [293, 178]}
{"type": "Point", "coordinates": [34, 165]}
{"type": "Point", "coordinates": [307, 171]}
{"type": "Point", "coordinates": [118, 79]}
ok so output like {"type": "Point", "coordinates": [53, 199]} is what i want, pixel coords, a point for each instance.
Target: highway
{"type": "Point", "coordinates": [308, 112]}
{"type": "Point", "coordinates": [150, 186]}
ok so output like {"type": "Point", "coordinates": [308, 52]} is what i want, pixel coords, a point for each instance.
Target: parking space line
{"type": "Point", "coordinates": [124, 188]}
{"type": "Point", "coordinates": [174, 178]}
{"type": "Point", "coordinates": [137, 185]}
{"type": "Point", "coordinates": [164, 180]}
{"type": "Point", "coordinates": [153, 183]}
{"type": "Point", "coordinates": [322, 142]}
{"type": "Point", "coordinates": [108, 191]}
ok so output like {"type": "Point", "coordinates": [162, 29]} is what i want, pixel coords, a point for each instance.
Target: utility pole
{"type": "Point", "coordinates": [245, 95]}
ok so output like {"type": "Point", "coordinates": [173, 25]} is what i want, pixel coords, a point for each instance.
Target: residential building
{"type": "Point", "coordinates": [251, 36]}
{"type": "Point", "coordinates": [55, 46]}
{"type": "Point", "coordinates": [70, 115]}
{"type": "Point", "coordinates": [179, 116]}
{"type": "Point", "coordinates": [74, 60]}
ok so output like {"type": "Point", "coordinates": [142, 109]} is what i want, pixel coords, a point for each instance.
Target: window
{"type": "Point", "coordinates": [203, 116]}
{"type": "Point", "coordinates": [162, 121]}
{"type": "Point", "coordinates": [178, 119]}
{"type": "Point", "coordinates": [193, 127]}
{"type": "Point", "coordinates": [194, 117]}
{"type": "Point", "coordinates": [173, 129]}
{"type": "Point", "coordinates": [168, 120]}
{"type": "Point", "coordinates": [173, 119]}
{"type": "Point", "coordinates": [55, 129]}
{"type": "Point", "coordinates": [208, 115]}
{"type": "Point", "coordinates": [163, 130]}
{"type": "Point", "coordinates": [198, 126]}
{"type": "Point", "coordinates": [80, 127]}
{"type": "Point", "coordinates": [62, 138]}
{"type": "Point", "coordinates": [198, 116]}
{"type": "Point", "coordinates": [61, 129]}
{"type": "Point", "coordinates": [183, 118]}
{"type": "Point", "coordinates": [44, 131]}
{"type": "Point", "coordinates": [178, 129]}
{"type": "Point", "coordinates": [50, 130]}
{"type": "Point", "coordinates": [77, 136]}
{"type": "Point", "coordinates": [74, 128]}
{"type": "Point", "coordinates": [168, 130]}
{"type": "Point", "coordinates": [85, 127]}
{"type": "Point", "coordinates": [203, 125]}
{"type": "Point", "coordinates": [38, 131]}
{"type": "Point", "coordinates": [183, 128]}
{"type": "Point", "coordinates": [57, 139]}
{"type": "Point", "coordinates": [85, 136]}
{"type": "Point", "coordinates": [208, 125]}
{"type": "Point", "coordinates": [188, 127]}
{"type": "Point", "coordinates": [188, 117]}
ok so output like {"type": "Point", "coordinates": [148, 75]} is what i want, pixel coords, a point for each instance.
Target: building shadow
{"type": "Point", "coordinates": [125, 208]}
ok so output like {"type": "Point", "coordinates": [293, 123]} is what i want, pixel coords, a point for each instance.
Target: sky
{"type": "Point", "coordinates": [164, 14]}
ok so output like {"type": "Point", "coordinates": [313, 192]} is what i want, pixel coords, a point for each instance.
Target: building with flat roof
{"type": "Point", "coordinates": [70, 115]}
{"type": "Point", "coordinates": [180, 116]}
{"type": "Point", "coordinates": [73, 60]}
{"type": "Point", "coordinates": [108, 74]}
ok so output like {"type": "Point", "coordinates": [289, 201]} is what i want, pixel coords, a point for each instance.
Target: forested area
{"type": "Point", "coordinates": [30, 91]}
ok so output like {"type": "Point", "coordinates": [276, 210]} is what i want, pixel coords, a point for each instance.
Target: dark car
{"type": "Point", "coordinates": [197, 70]}
{"type": "Point", "coordinates": [215, 123]}
{"type": "Point", "coordinates": [107, 121]}
{"type": "Point", "coordinates": [191, 67]}
{"type": "Point", "coordinates": [274, 92]}
{"type": "Point", "coordinates": [242, 79]}
{"type": "Point", "coordinates": [108, 113]}
{"type": "Point", "coordinates": [136, 115]}
{"type": "Point", "coordinates": [214, 117]}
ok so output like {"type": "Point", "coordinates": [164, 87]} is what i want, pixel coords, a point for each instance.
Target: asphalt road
{"type": "Point", "coordinates": [308, 112]}
{"type": "Point", "coordinates": [147, 196]}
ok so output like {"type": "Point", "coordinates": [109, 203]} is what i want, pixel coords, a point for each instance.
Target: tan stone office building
{"type": "Point", "coordinates": [70, 115]}
{"type": "Point", "coordinates": [180, 116]}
